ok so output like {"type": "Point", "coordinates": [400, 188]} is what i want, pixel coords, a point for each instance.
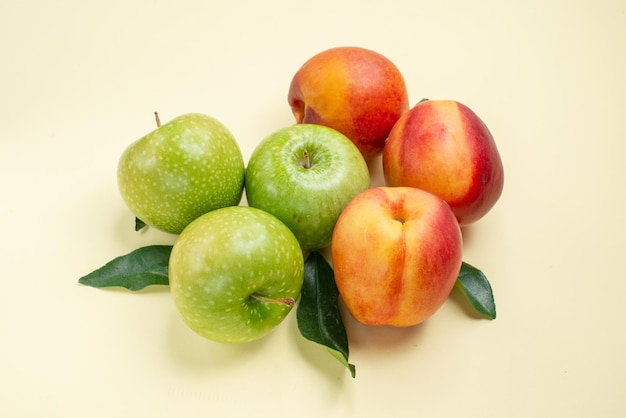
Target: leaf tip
{"type": "Point", "coordinates": [474, 285]}
{"type": "Point", "coordinates": [139, 224]}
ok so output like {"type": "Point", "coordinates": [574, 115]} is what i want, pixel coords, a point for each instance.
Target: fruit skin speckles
{"type": "Point", "coordinates": [305, 175]}
{"type": "Point", "coordinates": [231, 271]}
{"type": "Point", "coordinates": [180, 171]}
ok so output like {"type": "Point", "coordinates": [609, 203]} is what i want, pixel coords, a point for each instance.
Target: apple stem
{"type": "Point", "coordinates": [282, 301]}
{"type": "Point", "coordinates": [158, 120]}
{"type": "Point", "coordinates": [306, 163]}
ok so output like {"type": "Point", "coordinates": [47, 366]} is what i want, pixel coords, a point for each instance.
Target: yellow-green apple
{"type": "Point", "coordinates": [235, 273]}
{"type": "Point", "coordinates": [356, 91]}
{"type": "Point", "coordinates": [396, 253]}
{"type": "Point", "coordinates": [305, 175]}
{"type": "Point", "coordinates": [181, 170]}
{"type": "Point", "coordinates": [443, 147]}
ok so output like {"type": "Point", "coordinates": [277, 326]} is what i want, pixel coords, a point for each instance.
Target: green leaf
{"type": "Point", "coordinates": [140, 268]}
{"type": "Point", "coordinates": [476, 288]}
{"type": "Point", "coordinates": [343, 360]}
{"type": "Point", "coordinates": [318, 314]}
{"type": "Point", "coordinates": [139, 224]}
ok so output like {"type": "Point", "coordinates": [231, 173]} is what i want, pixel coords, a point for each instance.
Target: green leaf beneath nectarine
{"type": "Point", "coordinates": [474, 285]}
{"type": "Point", "coordinates": [318, 314]}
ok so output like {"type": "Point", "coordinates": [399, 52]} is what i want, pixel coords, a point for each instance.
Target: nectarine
{"type": "Point", "coordinates": [353, 90]}
{"type": "Point", "coordinates": [396, 252]}
{"type": "Point", "coordinates": [443, 147]}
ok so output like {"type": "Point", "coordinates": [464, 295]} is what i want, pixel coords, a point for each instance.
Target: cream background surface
{"type": "Point", "coordinates": [79, 81]}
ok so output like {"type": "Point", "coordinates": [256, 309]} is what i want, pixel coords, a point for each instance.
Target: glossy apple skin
{"type": "Point", "coordinates": [443, 147]}
{"type": "Point", "coordinates": [185, 168]}
{"type": "Point", "coordinates": [354, 90]}
{"type": "Point", "coordinates": [225, 257]}
{"type": "Point", "coordinates": [308, 199]}
{"type": "Point", "coordinates": [396, 253]}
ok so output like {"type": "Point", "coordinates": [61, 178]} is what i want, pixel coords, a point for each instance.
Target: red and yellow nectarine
{"type": "Point", "coordinates": [443, 147]}
{"type": "Point", "coordinates": [396, 252]}
{"type": "Point", "coordinates": [353, 90]}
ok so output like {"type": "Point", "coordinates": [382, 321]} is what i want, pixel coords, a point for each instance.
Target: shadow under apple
{"type": "Point", "coordinates": [198, 355]}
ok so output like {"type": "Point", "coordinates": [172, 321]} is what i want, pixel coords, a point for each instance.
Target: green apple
{"type": "Point", "coordinates": [305, 175]}
{"type": "Point", "coordinates": [181, 170]}
{"type": "Point", "coordinates": [235, 273]}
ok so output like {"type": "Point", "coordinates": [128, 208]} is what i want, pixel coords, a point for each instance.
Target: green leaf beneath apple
{"type": "Point", "coordinates": [318, 315]}
{"type": "Point", "coordinates": [139, 224]}
{"type": "Point", "coordinates": [474, 285]}
{"type": "Point", "coordinates": [142, 267]}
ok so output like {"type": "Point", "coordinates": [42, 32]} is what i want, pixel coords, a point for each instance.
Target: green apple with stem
{"type": "Point", "coordinates": [235, 273]}
{"type": "Point", "coordinates": [181, 170]}
{"type": "Point", "coordinates": [305, 174]}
